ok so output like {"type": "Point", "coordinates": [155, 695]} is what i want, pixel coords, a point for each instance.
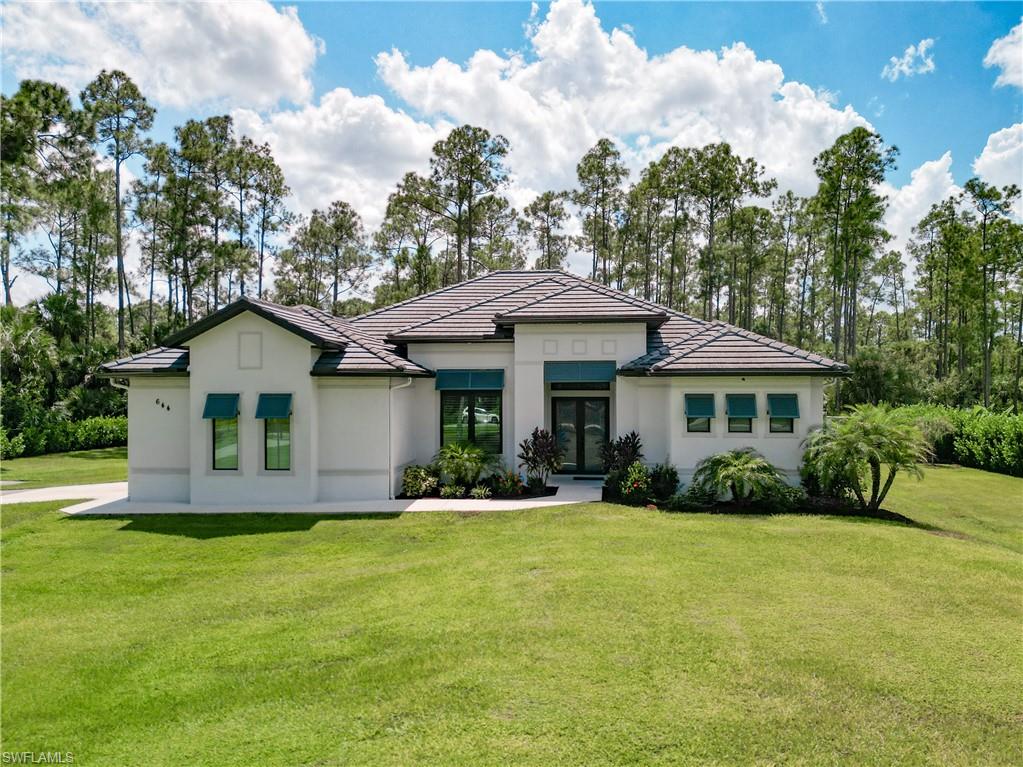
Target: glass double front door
{"type": "Point", "coordinates": [581, 425]}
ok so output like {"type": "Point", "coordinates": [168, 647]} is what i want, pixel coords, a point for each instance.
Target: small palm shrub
{"type": "Point", "coordinates": [480, 492]}
{"type": "Point", "coordinates": [452, 491]}
{"type": "Point", "coordinates": [418, 481]}
{"type": "Point", "coordinates": [663, 481]}
{"type": "Point", "coordinates": [540, 455]}
{"type": "Point", "coordinates": [744, 475]}
{"type": "Point", "coordinates": [858, 448]}
{"type": "Point", "coordinates": [635, 485]}
{"type": "Point", "coordinates": [463, 462]}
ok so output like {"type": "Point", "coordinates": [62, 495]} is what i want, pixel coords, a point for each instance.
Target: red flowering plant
{"type": "Point", "coordinates": [635, 487]}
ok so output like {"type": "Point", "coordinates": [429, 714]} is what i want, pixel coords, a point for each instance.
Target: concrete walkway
{"type": "Point", "coordinates": [112, 498]}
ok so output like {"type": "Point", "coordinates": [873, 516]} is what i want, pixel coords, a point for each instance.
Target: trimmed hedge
{"type": "Point", "coordinates": [977, 438]}
{"type": "Point", "coordinates": [63, 436]}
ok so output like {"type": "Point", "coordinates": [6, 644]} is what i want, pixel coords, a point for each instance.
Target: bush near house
{"type": "Point", "coordinates": [59, 436]}
{"type": "Point", "coordinates": [540, 455]}
{"type": "Point", "coordinates": [977, 438]}
{"type": "Point", "coordinates": [419, 481]}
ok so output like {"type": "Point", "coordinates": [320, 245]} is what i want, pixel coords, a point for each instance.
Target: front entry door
{"type": "Point", "coordinates": [581, 425]}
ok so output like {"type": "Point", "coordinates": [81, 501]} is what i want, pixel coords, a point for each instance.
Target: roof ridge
{"type": "Point", "coordinates": [334, 321]}
{"type": "Point", "coordinates": [711, 337]}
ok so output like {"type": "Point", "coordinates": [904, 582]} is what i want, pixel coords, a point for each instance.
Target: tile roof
{"type": "Point", "coordinates": [487, 309]}
{"type": "Point", "coordinates": [162, 360]}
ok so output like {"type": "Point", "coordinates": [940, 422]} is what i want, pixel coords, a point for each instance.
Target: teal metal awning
{"type": "Point", "coordinates": [273, 406]}
{"type": "Point", "coordinates": [221, 406]}
{"type": "Point", "coordinates": [470, 379]}
{"type": "Point", "coordinates": [741, 405]}
{"type": "Point", "coordinates": [699, 406]}
{"type": "Point", "coordinates": [573, 372]}
{"type": "Point", "coordinates": [783, 405]}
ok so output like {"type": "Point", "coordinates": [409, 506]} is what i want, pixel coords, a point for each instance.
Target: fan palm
{"type": "Point", "coordinates": [744, 474]}
{"type": "Point", "coordinates": [857, 448]}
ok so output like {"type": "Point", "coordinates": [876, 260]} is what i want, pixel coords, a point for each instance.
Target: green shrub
{"type": "Point", "coordinates": [10, 447]}
{"type": "Point", "coordinates": [663, 481]}
{"type": "Point", "coordinates": [101, 431]}
{"type": "Point", "coordinates": [977, 438]}
{"type": "Point", "coordinates": [452, 491]}
{"type": "Point", "coordinates": [480, 492]}
{"type": "Point", "coordinates": [688, 501]}
{"type": "Point", "coordinates": [56, 435]}
{"type": "Point", "coordinates": [743, 474]}
{"type": "Point", "coordinates": [418, 481]}
{"type": "Point", "coordinates": [783, 498]}
{"type": "Point", "coordinates": [635, 485]}
{"type": "Point", "coordinates": [463, 462]}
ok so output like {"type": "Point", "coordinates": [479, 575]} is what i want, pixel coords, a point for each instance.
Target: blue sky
{"type": "Point", "coordinates": [350, 96]}
{"type": "Point", "coordinates": [954, 108]}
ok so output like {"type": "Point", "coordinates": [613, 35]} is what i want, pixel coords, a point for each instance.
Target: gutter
{"type": "Point", "coordinates": [390, 434]}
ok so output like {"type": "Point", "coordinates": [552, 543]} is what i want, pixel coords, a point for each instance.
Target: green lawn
{"type": "Point", "coordinates": [108, 464]}
{"type": "Point", "coordinates": [587, 635]}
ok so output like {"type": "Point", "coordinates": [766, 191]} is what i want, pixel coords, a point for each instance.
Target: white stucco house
{"type": "Point", "coordinates": [261, 403]}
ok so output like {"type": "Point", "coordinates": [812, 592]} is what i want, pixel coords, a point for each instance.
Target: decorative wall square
{"type": "Point", "coordinates": [250, 351]}
{"type": "Point", "coordinates": [579, 346]}
{"type": "Point", "coordinates": [609, 346]}
{"type": "Point", "coordinates": [550, 347]}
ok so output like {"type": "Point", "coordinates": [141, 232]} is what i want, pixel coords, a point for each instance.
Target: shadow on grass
{"type": "Point", "coordinates": [206, 526]}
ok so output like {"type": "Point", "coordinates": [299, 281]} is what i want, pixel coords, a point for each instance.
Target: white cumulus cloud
{"type": "Point", "coordinates": [915, 60]}
{"type": "Point", "coordinates": [930, 183]}
{"type": "Point", "coordinates": [180, 54]}
{"type": "Point", "coordinates": [1006, 53]}
{"type": "Point", "coordinates": [1001, 161]}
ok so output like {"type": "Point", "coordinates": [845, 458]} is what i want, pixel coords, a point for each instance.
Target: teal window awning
{"type": "Point", "coordinates": [741, 405]}
{"type": "Point", "coordinates": [273, 406]}
{"type": "Point", "coordinates": [469, 379]}
{"type": "Point", "coordinates": [221, 406]}
{"type": "Point", "coordinates": [699, 406]}
{"type": "Point", "coordinates": [783, 405]}
{"type": "Point", "coordinates": [579, 372]}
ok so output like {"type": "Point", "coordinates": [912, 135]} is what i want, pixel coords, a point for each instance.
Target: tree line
{"type": "Point", "coordinates": [700, 229]}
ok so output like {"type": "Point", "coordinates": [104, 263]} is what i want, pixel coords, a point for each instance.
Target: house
{"type": "Point", "coordinates": [261, 403]}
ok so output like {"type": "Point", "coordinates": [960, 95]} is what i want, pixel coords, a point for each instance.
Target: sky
{"type": "Point", "coordinates": [350, 96]}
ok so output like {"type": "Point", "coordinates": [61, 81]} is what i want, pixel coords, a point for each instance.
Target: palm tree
{"type": "Point", "coordinates": [743, 473]}
{"type": "Point", "coordinates": [856, 448]}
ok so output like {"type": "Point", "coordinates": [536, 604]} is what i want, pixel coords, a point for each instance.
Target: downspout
{"type": "Point", "coordinates": [390, 434]}
{"type": "Point", "coordinates": [118, 385]}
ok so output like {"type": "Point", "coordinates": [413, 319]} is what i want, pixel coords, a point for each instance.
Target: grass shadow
{"type": "Point", "coordinates": [207, 526]}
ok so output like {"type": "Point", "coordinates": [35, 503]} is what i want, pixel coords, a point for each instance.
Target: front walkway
{"type": "Point", "coordinates": [112, 498]}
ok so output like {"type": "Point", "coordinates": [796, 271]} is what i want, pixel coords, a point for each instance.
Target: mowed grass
{"type": "Point", "coordinates": [591, 635]}
{"type": "Point", "coordinates": [108, 464]}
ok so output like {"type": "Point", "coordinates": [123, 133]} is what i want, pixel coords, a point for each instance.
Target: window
{"type": "Point", "coordinates": [698, 424]}
{"type": "Point", "coordinates": [275, 412]}
{"type": "Point", "coordinates": [741, 409]}
{"type": "Point", "coordinates": [783, 409]}
{"type": "Point", "coordinates": [471, 416]}
{"type": "Point", "coordinates": [699, 410]}
{"type": "Point", "coordinates": [277, 444]}
{"type": "Point", "coordinates": [740, 425]}
{"type": "Point", "coordinates": [225, 444]}
{"type": "Point", "coordinates": [781, 425]}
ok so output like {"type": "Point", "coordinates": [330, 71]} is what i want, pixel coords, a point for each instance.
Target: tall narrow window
{"type": "Point", "coordinates": [275, 412]}
{"type": "Point", "coordinates": [278, 444]}
{"type": "Point", "coordinates": [222, 411]}
{"type": "Point", "coordinates": [471, 416]}
{"type": "Point", "coordinates": [225, 443]}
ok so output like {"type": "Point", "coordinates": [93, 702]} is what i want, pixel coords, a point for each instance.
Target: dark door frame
{"type": "Point", "coordinates": [580, 430]}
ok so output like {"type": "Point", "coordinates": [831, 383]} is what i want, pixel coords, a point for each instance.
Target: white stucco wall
{"type": "Point", "coordinates": [250, 355]}
{"type": "Point", "coordinates": [783, 450]}
{"type": "Point", "coordinates": [566, 342]}
{"type": "Point", "coordinates": [424, 400]}
{"type": "Point", "coordinates": [353, 442]}
{"type": "Point", "coordinates": [158, 439]}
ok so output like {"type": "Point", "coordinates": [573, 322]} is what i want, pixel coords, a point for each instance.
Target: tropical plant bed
{"type": "Point", "coordinates": [811, 506]}
{"type": "Point", "coordinates": [548, 490]}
